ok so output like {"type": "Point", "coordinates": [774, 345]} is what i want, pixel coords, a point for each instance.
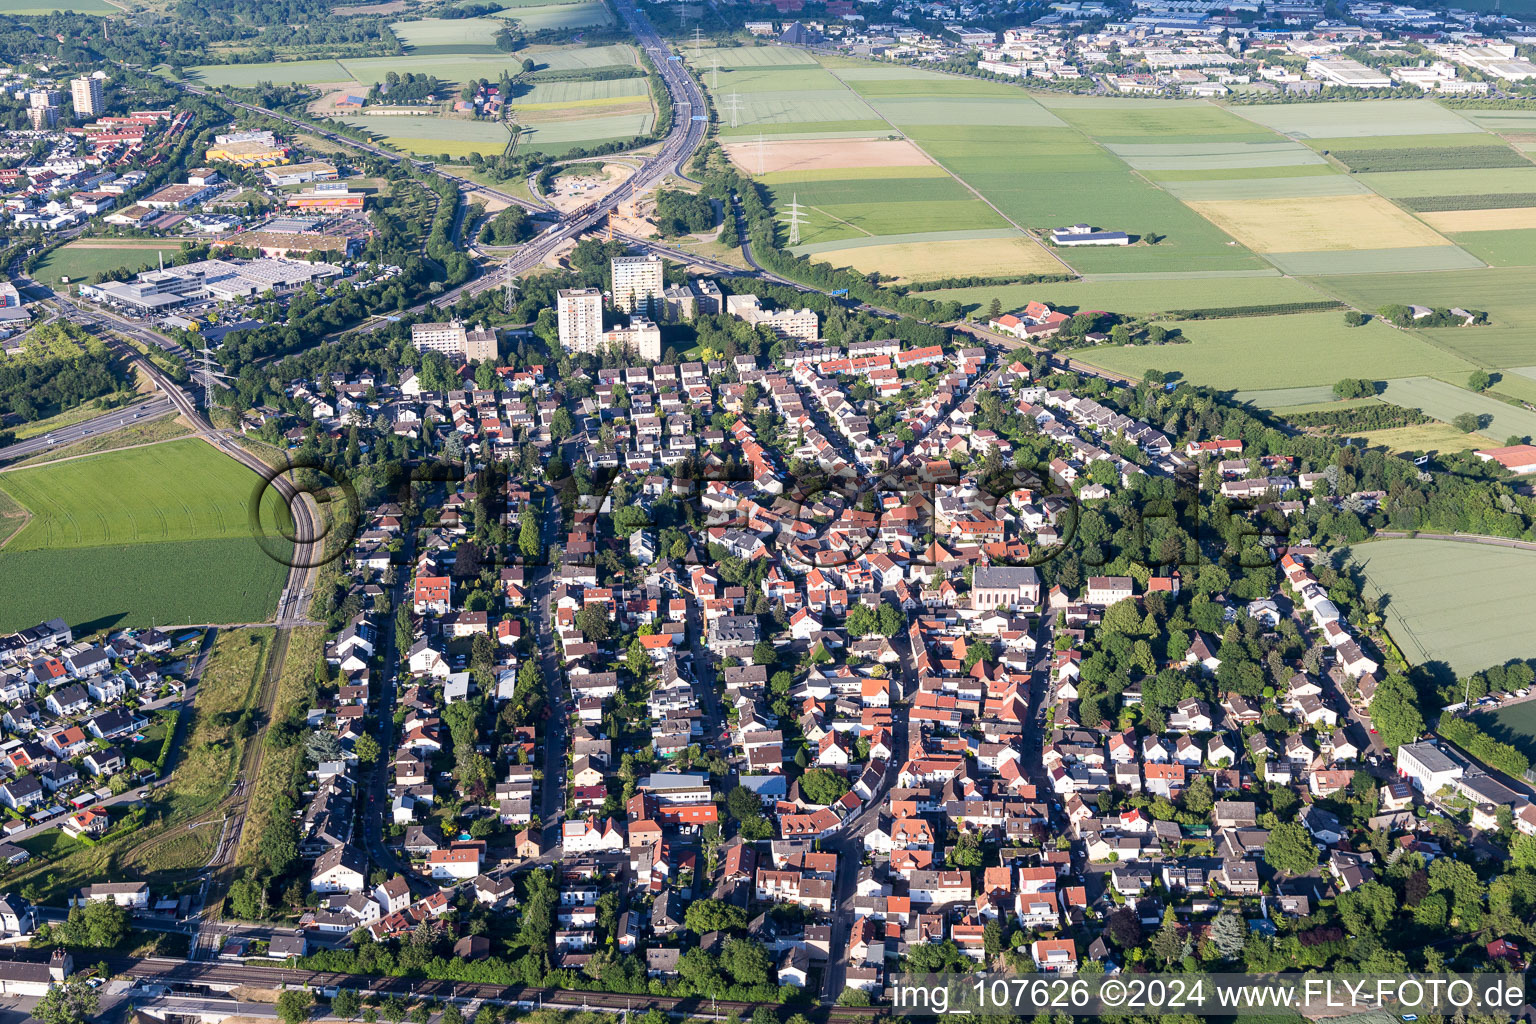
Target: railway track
{"type": "Point", "coordinates": [171, 971]}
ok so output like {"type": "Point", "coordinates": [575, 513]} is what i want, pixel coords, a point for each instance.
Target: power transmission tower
{"type": "Point", "coordinates": [698, 41]}
{"type": "Point", "coordinates": [509, 288]}
{"type": "Point", "coordinates": [795, 216]}
{"type": "Point", "coordinates": [733, 105]}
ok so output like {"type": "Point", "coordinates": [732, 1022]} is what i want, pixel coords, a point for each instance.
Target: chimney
{"type": "Point", "coordinates": [60, 965]}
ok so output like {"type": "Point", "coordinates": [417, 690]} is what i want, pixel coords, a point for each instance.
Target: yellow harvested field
{"type": "Point", "coordinates": [1317, 223]}
{"type": "Point", "coordinates": [928, 261]}
{"type": "Point", "coordinates": [1481, 220]}
{"type": "Point", "coordinates": [823, 154]}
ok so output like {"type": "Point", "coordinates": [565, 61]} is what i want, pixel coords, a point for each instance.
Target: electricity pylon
{"type": "Point", "coordinates": [795, 216]}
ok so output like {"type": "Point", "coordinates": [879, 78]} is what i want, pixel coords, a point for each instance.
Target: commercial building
{"type": "Point", "coordinates": [638, 284]}
{"type": "Point", "coordinates": [1517, 458]}
{"type": "Point", "coordinates": [301, 174]}
{"type": "Point", "coordinates": [1427, 766]}
{"type": "Point", "coordinates": [580, 315]}
{"type": "Point", "coordinates": [248, 149]}
{"type": "Point", "coordinates": [1343, 71]}
{"type": "Point", "coordinates": [472, 344]}
{"type": "Point", "coordinates": [179, 197]}
{"type": "Point", "coordinates": [335, 200]}
{"type": "Point", "coordinates": [87, 94]}
{"type": "Point", "coordinates": [223, 280]}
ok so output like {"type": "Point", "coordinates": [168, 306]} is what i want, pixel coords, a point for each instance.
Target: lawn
{"type": "Point", "coordinates": [1467, 605]}
{"type": "Point", "coordinates": [1447, 401]}
{"type": "Point", "coordinates": [1280, 351]}
{"type": "Point", "coordinates": [1514, 724]}
{"type": "Point", "coordinates": [279, 764]}
{"type": "Point", "coordinates": [1358, 119]}
{"type": "Point", "coordinates": [81, 261]}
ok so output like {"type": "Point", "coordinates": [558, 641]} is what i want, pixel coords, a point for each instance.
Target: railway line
{"type": "Point", "coordinates": [193, 974]}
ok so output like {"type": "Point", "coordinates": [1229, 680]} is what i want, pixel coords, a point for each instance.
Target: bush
{"type": "Point", "coordinates": [1355, 318]}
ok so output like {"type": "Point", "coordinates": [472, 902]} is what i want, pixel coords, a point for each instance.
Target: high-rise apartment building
{"type": "Point", "coordinates": [472, 344]}
{"type": "Point", "coordinates": [638, 284]}
{"type": "Point", "coordinates": [580, 314]}
{"type": "Point", "coordinates": [87, 94]}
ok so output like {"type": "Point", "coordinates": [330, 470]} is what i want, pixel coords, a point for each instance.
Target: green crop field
{"type": "Point", "coordinates": [557, 16]}
{"type": "Point", "coordinates": [433, 135]}
{"type": "Point", "coordinates": [25, 7]}
{"type": "Point", "coordinates": [183, 490]}
{"type": "Point", "coordinates": [1516, 248]}
{"type": "Point", "coordinates": [791, 110]}
{"type": "Point", "coordinates": [1214, 156]}
{"type": "Point", "coordinates": [1429, 158]}
{"type": "Point", "coordinates": [1508, 340]}
{"type": "Point", "coordinates": [1465, 182]}
{"type": "Point", "coordinates": [462, 68]}
{"type": "Point", "coordinates": [78, 261]}
{"type": "Point", "coordinates": [1467, 605]}
{"type": "Point", "coordinates": [1408, 259]}
{"type": "Point", "coordinates": [160, 534]}
{"type": "Point", "coordinates": [756, 57]}
{"type": "Point", "coordinates": [1191, 120]}
{"type": "Point", "coordinates": [1360, 118]}
{"type": "Point", "coordinates": [245, 76]}
{"type": "Point", "coordinates": [1379, 142]}
{"type": "Point", "coordinates": [1298, 187]}
{"type": "Point", "coordinates": [1265, 352]}
{"type": "Point", "coordinates": [1447, 401]}
{"type": "Point", "coordinates": [1054, 176]}
{"type": "Point", "coordinates": [448, 35]}
{"type": "Point", "coordinates": [561, 94]}
{"type": "Point", "coordinates": [557, 137]}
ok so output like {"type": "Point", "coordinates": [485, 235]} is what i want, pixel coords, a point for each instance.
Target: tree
{"type": "Point", "coordinates": [346, 1004]}
{"type": "Point", "coordinates": [821, 786]}
{"type": "Point", "coordinates": [528, 65]}
{"type": "Point", "coordinates": [527, 535]}
{"type": "Point", "coordinates": [1395, 713]}
{"type": "Point", "coordinates": [710, 915]}
{"type": "Point", "coordinates": [1522, 852]}
{"type": "Point", "coordinates": [99, 924]}
{"type": "Point", "coordinates": [593, 622]}
{"type": "Point", "coordinates": [293, 1005]}
{"type": "Point", "coordinates": [245, 899]}
{"type": "Point", "coordinates": [1466, 422]}
{"type": "Point", "coordinates": [1290, 850]}
{"type": "Point", "coordinates": [890, 619]}
{"type": "Point", "coordinates": [367, 749]}
{"type": "Point", "coordinates": [1355, 318]}
{"type": "Point", "coordinates": [995, 310]}
{"type": "Point", "coordinates": [1124, 928]}
{"type": "Point", "coordinates": [71, 1001]}
{"type": "Point", "coordinates": [1229, 933]}
{"type": "Point", "coordinates": [1200, 795]}
{"type": "Point", "coordinates": [746, 961]}
{"type": "Point", "coordinates": [1478, 380]}
{"type": "Point", "coordinates": [764, 653]}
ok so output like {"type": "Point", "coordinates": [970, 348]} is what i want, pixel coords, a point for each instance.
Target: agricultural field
{"type": "Point", "coordinates": [1447, 401]}
{"type": "Point", "coordinates": [1297, 349]}
{"type": "Point", "coordinates": [1425, 437]}
{"type": "Point", "coordinates": [1140, 296]}
{"type": "Point", "coordinates": [297, 72]}
{"type": "Point", "coordinates": [559, 134]}
{"type": "Point", "coordinates": [145, 526]}
{"type": "Point", "coordinates": [1502, 248]}
{"type": "Point", "coordinates": [857, 207]}
{"type": "Point", "coordinates": [1358, 119]}
{"type": "Point", "coordinates": [1467, 605]}
{"type": "Point", "coordinates": [1319, 223]}
{"type": "Point", "coordinates": [1509, 338]}
{"type": "Point", "coordinates": [448, 35]}
{"type": "Point", "coordinates": [929, 259]}
{"type": "Point", "coordinates": [26, 7]}
{"type": "Point", "coordinates": [84, 259]}
{"type": "Point", "coordinates": [559, 16]}
{"type": "Point", "coordinates": [431, 135]}
{"type": "Point", "coordinates": [1429, 158]}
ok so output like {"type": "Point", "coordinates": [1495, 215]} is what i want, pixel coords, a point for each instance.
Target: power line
{"type": "Point", "coordinates": [795, 216]}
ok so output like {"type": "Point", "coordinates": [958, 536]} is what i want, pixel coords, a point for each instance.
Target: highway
{"type": "Point", "coordinates": [107, 421]}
